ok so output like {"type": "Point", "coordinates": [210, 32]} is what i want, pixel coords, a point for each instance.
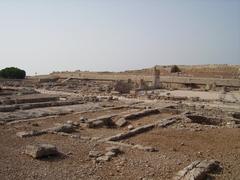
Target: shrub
{"type": "Point", "coordinates": [12, 73]}
{"type": "Point", "coordinates": [123, 86]}
{"type": "Point", "coordinates": [175, 69]}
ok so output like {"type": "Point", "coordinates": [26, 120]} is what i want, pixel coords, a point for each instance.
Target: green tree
{"type": "Point", "coordinates": [12, 73]}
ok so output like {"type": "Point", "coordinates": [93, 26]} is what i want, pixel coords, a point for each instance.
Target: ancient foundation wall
{"type": "Point", "coordinates": [163, 79]}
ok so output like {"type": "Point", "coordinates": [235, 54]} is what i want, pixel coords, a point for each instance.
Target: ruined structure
{"type": "Point", "coordinates": [98, 128]}
{"type": "Point", "coordinates": [156, 80]}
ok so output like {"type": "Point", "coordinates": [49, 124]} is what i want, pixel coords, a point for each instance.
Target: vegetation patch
{"type": "Point", "coordinates": [12, 73]}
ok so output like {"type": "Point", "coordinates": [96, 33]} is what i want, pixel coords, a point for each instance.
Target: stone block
{"type": "Point", "coordinates": [121, 122]}
{"type": "Point", "coordinates": [41, 150]}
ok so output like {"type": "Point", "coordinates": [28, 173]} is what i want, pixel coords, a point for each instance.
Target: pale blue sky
{"type": "Point", "coordinates": [49, 35]}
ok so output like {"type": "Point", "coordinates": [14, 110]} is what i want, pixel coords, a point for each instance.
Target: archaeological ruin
{"type": "Point", "coordinates": [145, 124]}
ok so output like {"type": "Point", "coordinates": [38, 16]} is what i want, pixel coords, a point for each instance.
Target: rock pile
{"type": "Point", "coordinates": [110, 153]}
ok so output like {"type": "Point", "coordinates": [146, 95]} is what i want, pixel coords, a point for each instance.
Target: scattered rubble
{"type": "Point", "coordinates": [103, 158]}
{"type": "Point", "coordinates": [95, 154]}
{"type": "Point", "coordinates": [107, 156]}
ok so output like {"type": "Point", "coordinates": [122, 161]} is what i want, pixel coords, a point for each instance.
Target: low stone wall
{"type": "Point", "coordinates": [10, 108]}
{"type": "Point", "coordinates": [28, 99]}
{"type": "Point", "coordinates": [163, 79]}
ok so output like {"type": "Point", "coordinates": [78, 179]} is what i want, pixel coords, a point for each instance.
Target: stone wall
{"type": "Point", "coordinates": [163, 79]}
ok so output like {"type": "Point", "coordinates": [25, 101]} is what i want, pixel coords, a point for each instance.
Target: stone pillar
{"type": "Point", "coordinates": [141, 84]}
{"type": "Point", "coordinates": [156, 76]}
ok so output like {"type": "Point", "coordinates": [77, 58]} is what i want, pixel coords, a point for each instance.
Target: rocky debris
{"type": "Point", "coordinates": [68, 135]}
{"type": "Point", "coordinates": [75, 123]}
{"type": "Point", "coordinates": [91, 99]}
{"type": "Point", "coordinates": [233, 124]}
{"type": "Point", "coordinates": [41, 150]}
{"type": "Point", "coordinates": [110, 98]}
{"type": "Point", "coordinates": [66, 128]}
{"type": "Point", "coordinates": [110, 154]}
{"type": "Point", "coordinates": [83, 119]}
{"type": "Point", "coordinates": [130, 127]}
{"type": "Point", "coordinates": [114, 149]}
{"type": "Point", "coordinates": [25, 134]}
{"type": "Point", "coordinates": [103, 158]}
{"type": "Point", "coordinates": [100, 157]}
{"type": "Point", "coordinates": [69, 122]}
{"type": "Point", "coordinates": [121, 122]}
{"type": "Point", "coordinates": [198, 170]}
{"type": "Point", "coordinates": [94, 154]}
{"type": "Point", "coordinates": [140, 114]}
{"type": "Point", "coordinates": [101, 121]}
{"type": "Point", "coordinates": [145, 148]}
